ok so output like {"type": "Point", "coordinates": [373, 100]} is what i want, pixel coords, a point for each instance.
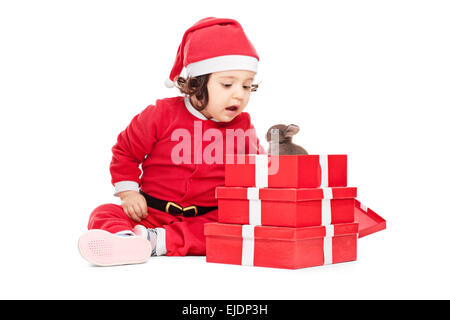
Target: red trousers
{"type": "Point", "coordinates": [183, 235]}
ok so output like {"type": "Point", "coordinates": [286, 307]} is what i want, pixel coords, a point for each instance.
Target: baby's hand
{"type": "Point", "coordinates": [134, 205]}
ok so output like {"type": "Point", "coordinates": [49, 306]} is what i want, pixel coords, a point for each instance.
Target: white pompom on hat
{"type": "Point", "coordinates": [169, 83]}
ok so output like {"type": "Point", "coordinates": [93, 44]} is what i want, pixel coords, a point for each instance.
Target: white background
{"type": "Point", "coordinates": [367, 78]}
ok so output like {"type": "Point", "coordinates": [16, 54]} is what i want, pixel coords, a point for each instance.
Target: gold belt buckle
{"type": "Point", "coordinates": [189, 208]}
{"type": "Point", "coordinates": [170, 203]}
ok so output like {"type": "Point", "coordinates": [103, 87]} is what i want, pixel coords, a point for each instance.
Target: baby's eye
{"type": "Point", "coordinates": [247, 87]}
{"type": "Point", "coordinates": [227, 85]}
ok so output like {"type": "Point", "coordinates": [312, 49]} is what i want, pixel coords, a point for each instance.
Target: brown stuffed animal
{"type": "Point", "coordinates": [285, 145]}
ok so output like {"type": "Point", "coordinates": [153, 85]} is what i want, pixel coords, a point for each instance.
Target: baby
{"type": "Point", "coordinates": [162, 169]}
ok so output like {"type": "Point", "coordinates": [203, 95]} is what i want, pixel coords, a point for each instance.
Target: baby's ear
{"type": "Point", "coordinates": [291, 130]}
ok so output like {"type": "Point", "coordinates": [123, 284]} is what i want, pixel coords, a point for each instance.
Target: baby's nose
{"type": "Point", "coordinates": [239, 93]}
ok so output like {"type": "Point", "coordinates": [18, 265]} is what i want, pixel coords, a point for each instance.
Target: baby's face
{"type": "Point", "coordinates": [229, 93]}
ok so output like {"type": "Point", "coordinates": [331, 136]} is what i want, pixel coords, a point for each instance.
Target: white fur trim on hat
{"type": "Point", "coordinates": [222, 63]}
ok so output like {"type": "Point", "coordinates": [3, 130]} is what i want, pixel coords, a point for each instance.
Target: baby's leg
{"type": "Point", "coordinates": [176, 235]}
{"type": "Point", "coordinates": [113, 238]}
{"type": "Point", "coordinates": [186, 235]}
{"type": "Point", "coordinates": [110, 217]}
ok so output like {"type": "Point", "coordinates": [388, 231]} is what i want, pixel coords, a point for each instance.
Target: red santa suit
{"type": "Point", "coordinates": [182, 156]}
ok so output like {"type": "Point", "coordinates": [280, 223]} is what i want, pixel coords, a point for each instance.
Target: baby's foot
{"type": "Point", "coordinates": [103, 248]}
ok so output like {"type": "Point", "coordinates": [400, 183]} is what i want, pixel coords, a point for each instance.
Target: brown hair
{"type": "Point", "coordinates": [196, 86]}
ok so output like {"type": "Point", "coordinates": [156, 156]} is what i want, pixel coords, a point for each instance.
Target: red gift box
{"type": "Point", "coordinates": [286, 171]}
{"type": "Point", "coordinates": [280, 247]}
{"type": "Point", "coordinates": [285, 207]}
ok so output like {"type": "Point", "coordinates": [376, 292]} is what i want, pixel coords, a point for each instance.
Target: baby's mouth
{"type": "Point", "coordinates": [232, 108]}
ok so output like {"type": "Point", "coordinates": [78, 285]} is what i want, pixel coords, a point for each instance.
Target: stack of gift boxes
{"type": "Point", "coordinates": [286, 212]}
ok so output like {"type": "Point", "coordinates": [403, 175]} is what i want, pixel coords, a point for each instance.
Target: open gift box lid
{"type": "Point", "coordinates": [369, 221]}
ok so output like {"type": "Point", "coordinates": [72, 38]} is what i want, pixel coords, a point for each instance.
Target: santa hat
{"type": "Point", "coordinates": [213, 45]}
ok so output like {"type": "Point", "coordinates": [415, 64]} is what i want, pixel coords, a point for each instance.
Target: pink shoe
{"type": "Point", "coordinates": [107, 249]}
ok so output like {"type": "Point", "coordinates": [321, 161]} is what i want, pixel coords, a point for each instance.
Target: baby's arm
{"type": "Point", "coordinates": [133, 145]}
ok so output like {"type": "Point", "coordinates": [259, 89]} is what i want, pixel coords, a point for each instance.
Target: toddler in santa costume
{"type": "Point", "coordinates": [165, 205]}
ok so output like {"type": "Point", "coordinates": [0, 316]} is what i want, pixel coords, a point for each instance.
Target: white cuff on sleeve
{"type": "Point", "coordinates": [125, 186]}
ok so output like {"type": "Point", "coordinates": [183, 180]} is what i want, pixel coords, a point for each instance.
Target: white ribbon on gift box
{"type": "Point", "coordinates": [329, 228]}
{"type": "Point", "coordinates": [248, 245]}
{"type": "Point", "coordinates": [262, 170]}
{"type": "Point", "coordinates": [254, 206]}
{"type": "Point", "coordinates": [323, 161]}
{"type": "Point", "coordinates": [326, 205]}
{"type": "Point", "coordinates": [328, 244]}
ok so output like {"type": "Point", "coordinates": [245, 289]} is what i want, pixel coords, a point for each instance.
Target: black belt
{"type": "Point", "coordinates": [173, 208]}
